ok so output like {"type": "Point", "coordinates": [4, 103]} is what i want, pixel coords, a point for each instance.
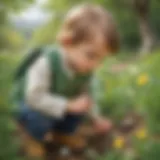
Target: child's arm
{"type": "Point", "coordinates": [38, 96]}
{"type": "Point", "coordinates": [37, 90]}
{"type": "Point", "coordinates": [101, 124]}
{"type": "Point", "coordinates": [91, 89]}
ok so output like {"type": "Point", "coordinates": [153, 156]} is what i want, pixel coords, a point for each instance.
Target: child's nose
{"type": "Point", "coordinates": [91, 66]}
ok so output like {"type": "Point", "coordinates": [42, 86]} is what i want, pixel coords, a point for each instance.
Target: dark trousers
{"type": "Point", "coordinates": [37, 124]}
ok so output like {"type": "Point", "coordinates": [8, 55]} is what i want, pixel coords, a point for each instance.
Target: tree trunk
{"type": "Point", "coordinates": [147, 36]}
{"type": "Point", "coordinates": [142, 9]}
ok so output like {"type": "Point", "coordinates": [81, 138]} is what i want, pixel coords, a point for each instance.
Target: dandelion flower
{"type": "Point", "coordinates": [141, 133]}
{"type": "Point", "coordinates": [119, 142]}
{"type": "Point", "coordinates": [142, 79]}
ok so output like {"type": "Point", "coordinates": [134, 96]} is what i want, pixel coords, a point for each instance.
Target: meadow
{"type": "Point", "coordinates": [128, 92]}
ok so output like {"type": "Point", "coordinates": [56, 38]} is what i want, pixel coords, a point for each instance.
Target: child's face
{"type": "Point", "coordinates": [86, 57]}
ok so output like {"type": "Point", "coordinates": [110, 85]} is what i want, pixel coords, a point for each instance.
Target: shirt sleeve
{"type": "Point", "coordinates": [93, 91]}
{"type": "Point", "coordinates": [37, 90]}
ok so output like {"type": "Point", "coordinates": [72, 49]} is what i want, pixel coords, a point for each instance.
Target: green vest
{"type": "Point", "coordinates": [62, 84]}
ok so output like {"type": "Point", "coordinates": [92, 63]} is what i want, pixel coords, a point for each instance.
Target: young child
{"type": "Point", "coordinates": [55, 89]}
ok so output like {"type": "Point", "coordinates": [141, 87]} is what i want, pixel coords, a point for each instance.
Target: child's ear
{"type": "Point", "coordinates": [65, 38]}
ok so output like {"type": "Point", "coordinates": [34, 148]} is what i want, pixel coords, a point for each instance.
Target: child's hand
{"type": "Point", "coordinates": [79, 105]}
{"type": "Point", "coordinates": [102, 125]}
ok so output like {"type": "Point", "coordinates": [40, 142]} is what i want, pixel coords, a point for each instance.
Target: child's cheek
{"type": "Point", "coordinates": [80, 61]}
{"type": "Point", "coordinates": [81, 64]}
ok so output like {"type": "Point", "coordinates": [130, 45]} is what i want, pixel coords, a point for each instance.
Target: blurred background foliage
{"type": "Point", "coordinates": [129, 82]}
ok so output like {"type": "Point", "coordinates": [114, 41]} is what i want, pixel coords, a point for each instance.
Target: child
{"type": "Point", "coordinates": [55, 92]}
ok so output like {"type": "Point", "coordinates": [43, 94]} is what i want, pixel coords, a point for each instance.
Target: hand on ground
{"type": "Point", "coordinates": [102, 125]}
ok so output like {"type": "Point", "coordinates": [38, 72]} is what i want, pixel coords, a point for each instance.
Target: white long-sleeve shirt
{"type": "Point", "coordinates": [37, 93]}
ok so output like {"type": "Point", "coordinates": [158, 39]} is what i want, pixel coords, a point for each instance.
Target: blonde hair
{"type": "Point", "coordinates": [81, 20]}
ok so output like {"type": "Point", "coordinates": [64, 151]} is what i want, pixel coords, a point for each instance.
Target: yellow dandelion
{"type": "Point", "coordinates": [141, 133]}
{"type": "Point", "coordinates": [119, 142]}
{"type": "Point", "coordinates": [142, 79]}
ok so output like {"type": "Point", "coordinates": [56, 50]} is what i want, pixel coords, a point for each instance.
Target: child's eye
{"type": "Point", "coordinates": [91, 55]}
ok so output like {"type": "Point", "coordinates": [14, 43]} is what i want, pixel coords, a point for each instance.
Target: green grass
{"type": "Point", "coordinates": [7, 143]}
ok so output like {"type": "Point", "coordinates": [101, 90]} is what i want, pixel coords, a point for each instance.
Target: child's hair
{"type": "Point", "coordinates": [81, 22]}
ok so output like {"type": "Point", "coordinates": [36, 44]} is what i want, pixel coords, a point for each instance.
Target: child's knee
{"type": "Point", "coordinates": [36, 124]}
{"type": "Point", "coordinates": [39, 127]}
